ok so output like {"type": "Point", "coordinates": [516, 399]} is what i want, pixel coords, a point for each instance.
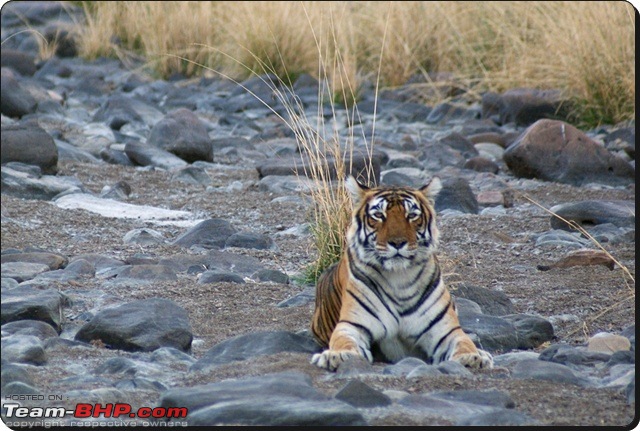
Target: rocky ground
{"type": "Point", "coordinates": [117, 286]}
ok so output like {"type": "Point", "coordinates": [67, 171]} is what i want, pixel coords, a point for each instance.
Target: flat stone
{"type": "Point", "coordinates": [608, 343]}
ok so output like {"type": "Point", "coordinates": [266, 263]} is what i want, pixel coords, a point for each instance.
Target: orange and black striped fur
{"type": "Point", "coordinates": [386, 294]}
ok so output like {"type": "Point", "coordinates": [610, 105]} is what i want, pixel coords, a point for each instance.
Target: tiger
{"type": "Point", "coordinates": [385, 297]}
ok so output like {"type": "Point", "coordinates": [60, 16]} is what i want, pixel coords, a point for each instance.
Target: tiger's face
{"type": "Point", "coordinates": [393, 228]}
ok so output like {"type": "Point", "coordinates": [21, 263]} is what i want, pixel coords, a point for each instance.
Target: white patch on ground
{"type": "Point", "coordinates": [115, 209]}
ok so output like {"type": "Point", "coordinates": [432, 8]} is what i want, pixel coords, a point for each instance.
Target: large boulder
{"type": "Point", "coordinates": [182, 133]}
{"type": "Point", "coordinates": [523, 106]}
{"type": "Point", "coordinates": [31, 144]}
{"type": "Point", "coordinates": [553, 150]}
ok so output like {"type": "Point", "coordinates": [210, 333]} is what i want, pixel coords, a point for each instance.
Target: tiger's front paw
{"type": "Point", "coordinates": [331, 359]}
{"type": "Point", "coordinates": [481, 359]}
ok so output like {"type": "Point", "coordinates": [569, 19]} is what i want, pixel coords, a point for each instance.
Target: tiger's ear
{"type": "Point", "coordinates": [431, 190]}
{"type": "Point", "coordinates": [356, 189]}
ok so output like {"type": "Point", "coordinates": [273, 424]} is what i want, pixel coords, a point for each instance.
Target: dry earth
{"type": "Point", "coordinates": [495, 252]}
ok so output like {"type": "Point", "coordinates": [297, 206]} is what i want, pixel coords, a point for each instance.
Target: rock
{"type": "Point", "coordinates": [25, 349]}
{"type": "Point", "coordinates": [21, 62]}
{"type": "Point", "coordinates": [14, 373]}
{"type": "Point", "coordinates": [543, 370]}
{"type": "Point", "coordinates": [456, 194]}
{"type": "Point", "coordinates": [481, 164]}
{"type": "Point", "coordinates": [404, 366]}
{"type": "Point", "coordinates": [283, 399]}
{"type": "Point", "coordinates": [119, 191]}
{"type": "Point", "coordinates": [212, 233]}
{"type": "Point", "coordinates": [26, 302]}
{"type": "Point", "coordinates": [454, 368]}
{"type": "Point", "coordinates": [22, 271]}
{"type": "Point", "coordinates": [15, 101]}
{"type": "Point", "coordinates": [360, 164]}
{"type": "Point", "coordinates": [148, 155]}
{"type": "Point", "coordinates": [30, 144]}
{"type": "Point", "coordinates": [563, 238]}
{"type": "Point", "coordinates": [182, 133]}
{"type": "Point", "coordinates": [219, 276]}
{"type": "Point", "coordinates": [250, 240]}
{"type": "Point", "coordinates": [191, 175]}
{"type": "Point", "coordinates": [286, 184]}
{"type": "Point", "coordinates": [491, 302]}
{"type": "Point", "coordinates": [148, 273]}
{"type": "Point", "coordinates": [523, 106]}
{"type": "Point", "coordinates": [630, 391]}
{"type": "Point", "coordinates": [253, 344]}
{"type": "Point", "coordinates": [52, 260]}
{"type": "Point", "coordinates": [490, 198]}
{"type": "Point", "coordinates": [35, 328]}
{"type": "Point", "coordinates": [271, 275]}
{"type": "Point", "coordinates": [594, 212]}
{"type": "Point", "coordinates": [305, 297]}
{"type": "Point", "coordinates": [494, 333]}
{"type": "Point", "coordinates": [532, 331]}
{"type": "Point", "coordinates": [608, 343]}
{"type": "Point", "coordinates": [445, 113]}
{"type": "Point", "coordinates": [459, 143]}
{"type": "Point", "coordinates": [556, 151]}
{"type": "Point", "coordinates": [214, 260]}
{"type": "Point", "coordinates": [143, 325]}
{"type": "Point", "coordinates": [424, 370]}
{"type": "Point", "coordinates": [570, 355]}
{"type": "Point", "coordinates": [143, 236]}
{"type": "Point", "coordinates": [27, 185]}
{"type": "Point", "coordinates": [359, 394]}
{"type": "Point", "coordinates": [119, 110]}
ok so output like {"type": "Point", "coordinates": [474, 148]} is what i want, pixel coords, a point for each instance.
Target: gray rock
{"type": "Point", "coordinates": [250, 240]}
{"type": "Point", "coordinates": [22, 271]}
{"type": "Point", "coordinates": [271, 275]}
{"type": "Point", "coordinates": [20, 388]}
{"type": "Point", "coordinates": [214, 260]}
{"type": "Point", "coordinates": [212, 233]}
{"type": "Point", "coordinates": [424, 370]}
{"type": "Point", "coordinates": [29, 186]}
{"type": "Point", "coordinates": [523, 106]}
{"type": "Point", "coordinates": [13, 373]}
{"type": "Point", "coordinates": [170, 355]}
{"type": "Point", "coordinates": [557, 237]}
{"type": "Point", "coordinates": [305, 297]}
{"type": "Point", "coordinates": [15, 101]}
{"type": "Point", "coordinates": [630, 391]}
{"type": "Point", "coordinates": [21, 62]}
{"type": "Point", "coordinates": [148, 155]}
{"type": "Point", "coordinates": [454, 368]}
{"type": "Point", "coordinates": [456, 194]}
{"type": "Point", "coordinates": [283, 399]}
{"type": "Point", "coordinates": [26, 302]}
{"type": "Point", "coordinates": [494, 333]}
{"type": "Point", "coordinates": [148, 273]}
{"type": "Point", "coordinates": [446, 113]}
{"type": "Point", "coordinates": [67, 152]}
{"type": "Point", "coordinates": [52, 260]}
{"type": "Point", "coordinates": [359, 394]}
{"type": "Point", "coordinates": [544, 370]}
{"type": "Point", "coordinates": [119, 110]}
{"type": "Point", "coordinates": [531, 331]}
{"type": "Point", "coordinates": [594, 212]}
{"type": "Point", "coordinates": [98, 261]}
{"type": "Point", "coordinates": [254, 344]}
{"type": "Point", "coordinates": [119, 191]}
{"type": "Point", "coordinates": [143, 236]}
{"type": "Point", "coordinates": [25, 349]}
{"type": "Point", "coordinates": [461, 144]}
{"type": "Point", "coordinates": [219, 276]}
{"type": "Point", "coordinates": [491, 302]}
{"type": "Point", "coordinates": [143, 325]}
{"type": "Point", "coordinates": [404, 366]}
{"type": "Point", "coordinates": [182, 133]}
{"type": "Point", "coordinates": [191, 175]}
{"type": "Point", "coordinates": [481, 164]}
{"type": "Point", "coordinates": [29, 143]}
{"type": "Point", "coordinates": [35, 328]}
{"type": "Point", "coordinates": [556, 151]}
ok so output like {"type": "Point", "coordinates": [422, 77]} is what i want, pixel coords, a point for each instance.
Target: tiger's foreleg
{"type": "Point", "coordinates": [348, 340]}
{"type": "Point", "coordinates": [451, 343]}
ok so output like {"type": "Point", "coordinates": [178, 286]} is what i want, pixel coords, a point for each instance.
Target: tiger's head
{"type": "Point", "coordinates": [393, 228]}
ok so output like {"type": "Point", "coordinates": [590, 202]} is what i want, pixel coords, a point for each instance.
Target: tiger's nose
{"type": "Point", "coordinates": [397, 243]}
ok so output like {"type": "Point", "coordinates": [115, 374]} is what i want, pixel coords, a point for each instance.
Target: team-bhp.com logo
{"type": "Point", "coordinates": [16, 414]}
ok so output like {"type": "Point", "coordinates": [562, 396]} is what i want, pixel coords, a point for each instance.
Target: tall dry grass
{"type": "Point", "coordinates": [586, 49]}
